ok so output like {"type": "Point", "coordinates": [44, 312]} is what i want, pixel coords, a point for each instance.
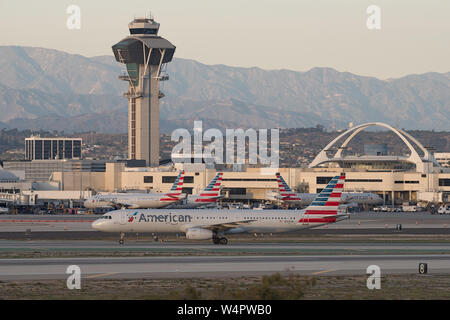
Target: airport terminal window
{"type": "Point", "coordinates": [189, 179]}
{"type": "Point", "coordinates": [47, 149]}
{"type": "Point", "coordinates": [169, 179]}
{"type": "Point", "coordinates": [67, 149]}
{"type": "Point", "coordinates": [186, 190]}
{"type": "Point", "coordinates": [38, 149]}
{"type": "Point", "coordinates": [76, 149]}
{"type": "Point", "coordinates": [323, 180]}
{"type": "Point", "coordinates": [143, 31]}
{"type": "Point", "coordinates": [54, 151]}
{"type": "Point", "coordinates": [148, 179]}
{"type": "Point", "coordinates": [12, 190]}
{"type": "Point", "coordinates": [407, 181]}
{"type": "Point", "coordinates": [237, 191]}
{"type": "Point", "coordinates": [60, 149]}
{"type": "Point", "coordinates": [444, 182]}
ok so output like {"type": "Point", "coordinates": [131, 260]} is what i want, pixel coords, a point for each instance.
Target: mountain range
{"type": "Point", "coordinates": [53, 90]}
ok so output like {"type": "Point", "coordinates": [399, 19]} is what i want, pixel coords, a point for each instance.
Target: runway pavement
{"type": "Point", "coordinates": [241, 247]}
{"type": "Point", "coordinates": [218, 266]}
{"type": "Point", "coordinates": [202, 259]}
{"type": "Point", "coordinates": [69, 249]}
{"type": "Point", "coordinates": [247, 257]}
{"type": "Point", "coordinates": [96, 235]}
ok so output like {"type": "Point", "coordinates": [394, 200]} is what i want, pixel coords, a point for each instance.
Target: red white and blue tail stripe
{"type": "Point", "coordinates": [324, 209]}
{"type": "Point", "coordinates": [176, 189]}
{"type": "Point", "coordinates": [286, 194]}
{"type": "Point", "coordinates": [212, 191]}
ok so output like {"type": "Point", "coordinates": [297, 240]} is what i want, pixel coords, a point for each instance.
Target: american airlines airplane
{"type": "Point", "coordinates": [214, 224]}
{"type": "Point", "coordinates": [139, 200]}
{"type": "Point", "coordinates": [285, 194]}
{"type": "Point", "coordinates": [207, 197]}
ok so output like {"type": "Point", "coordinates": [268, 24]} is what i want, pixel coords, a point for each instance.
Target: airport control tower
{"type": "Point", "coordinates": [144, 54]}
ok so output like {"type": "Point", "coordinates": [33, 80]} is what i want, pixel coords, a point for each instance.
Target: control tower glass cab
{"type": "Point", "coordinates": [143, 26]}
{"type": "Point", "coordinates": [144, 55]}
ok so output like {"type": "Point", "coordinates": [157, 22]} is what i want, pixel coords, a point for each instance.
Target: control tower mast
{"type": "Point", "coordinates": [144, 54]}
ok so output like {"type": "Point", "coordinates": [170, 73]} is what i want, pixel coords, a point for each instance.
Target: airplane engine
{"type": "Point", "coordinates": [199, 234]}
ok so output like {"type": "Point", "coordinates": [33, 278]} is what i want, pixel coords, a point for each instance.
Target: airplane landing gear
{"type": "Point", "coordinates": [222, 241]}
{"type": "Point", "coordinates": [122, 238]}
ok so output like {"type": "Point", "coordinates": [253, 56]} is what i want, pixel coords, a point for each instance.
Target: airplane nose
{"type": "Point", "coordinates": [87, 204]}
{"type": "Point", "coordinates": [97, 224]}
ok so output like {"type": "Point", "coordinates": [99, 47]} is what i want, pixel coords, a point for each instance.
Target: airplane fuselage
{"type": "Point", "coordinates": [166, 221]}
{"type": "Point", "coordinates": [193, 202]}
{"type": "Point", "coordinates": [131, 200]}
{"type": "Point", "coordinates": [347, 197]}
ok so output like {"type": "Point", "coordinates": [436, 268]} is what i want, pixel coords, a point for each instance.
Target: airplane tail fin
{"type": "Point", "coordinates": [284, 190]}
{"type": "Point", "coordinates": [324, 208]}
{"type": "Point", "coordinates": [177, 186]}
{"type": "Point", "coordinates": [212, 191]}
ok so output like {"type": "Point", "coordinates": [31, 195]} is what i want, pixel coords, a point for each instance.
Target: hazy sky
{"type": "Point", "coordinates": [276, 34]}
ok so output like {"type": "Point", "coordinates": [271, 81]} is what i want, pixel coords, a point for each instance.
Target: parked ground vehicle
{"type": "Point", "coordinates": [386, 209]}
{"type": "Point", "coordinates": [408, 208]}
{"type": "Point", "coordinates": [444, 210]}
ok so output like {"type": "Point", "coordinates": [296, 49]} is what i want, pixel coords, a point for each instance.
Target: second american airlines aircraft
{"type": "Point", "coordinates": [139, 200]}
{"type": "Point", "coordinates": [288, 196]}
{"type": "Point", "coordinates": [208, 196]}
{"type": "Point", "coordinates": [215, 224]}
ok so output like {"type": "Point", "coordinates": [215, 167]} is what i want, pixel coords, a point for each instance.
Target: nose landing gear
{"type": "Point", "coordinates": [122, 238]}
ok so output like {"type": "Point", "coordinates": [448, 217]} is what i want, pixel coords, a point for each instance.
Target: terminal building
{"type": "Point", "coordinates": [15, 191]}
{"type": "Point", "coordinates": [414, 178]}
{"type": "Point", "coordinates": [42, 170]}
{"type": "Point", "coordinates": [443, 158]}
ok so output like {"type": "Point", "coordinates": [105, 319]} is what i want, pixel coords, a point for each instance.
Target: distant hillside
{"type": "Point", "coordinates": [48, 89]}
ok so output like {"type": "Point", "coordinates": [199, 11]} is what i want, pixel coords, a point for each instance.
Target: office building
{"type": "Point", "coordinates": [37, 148]}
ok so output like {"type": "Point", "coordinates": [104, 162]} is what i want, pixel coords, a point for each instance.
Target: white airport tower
{"type": "Point", "coordinates": [144, 54]}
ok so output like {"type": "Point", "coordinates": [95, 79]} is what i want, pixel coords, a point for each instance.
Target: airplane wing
{"type": "Point", "coordinates": [217, 197]}
{"type": "Point", "coordinates": [340, 216]}
{"type": "Point", "coordinates": [126, 204]}
{"type": "Point", "coordinates": [176, 196]}
{"type": "Point", "coordinates": [225, 226]}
